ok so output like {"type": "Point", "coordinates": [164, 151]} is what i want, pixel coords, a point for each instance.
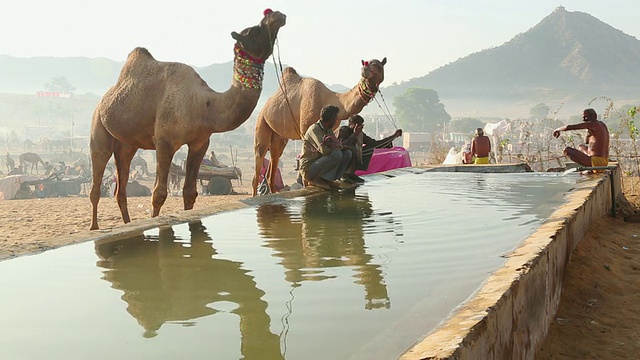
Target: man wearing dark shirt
{"type": "Point", "coordinates": [349, 135]}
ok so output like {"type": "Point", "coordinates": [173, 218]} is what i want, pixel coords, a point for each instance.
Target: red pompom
{"type": "Point", "coordinates": [267, 11]}
{"type": "Point", "coordinates": [366, 63]}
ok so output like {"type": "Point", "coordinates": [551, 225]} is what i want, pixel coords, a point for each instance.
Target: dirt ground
{"type": "Point", "coordinates": [598, 318]}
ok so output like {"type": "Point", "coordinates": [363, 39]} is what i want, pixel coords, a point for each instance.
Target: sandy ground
{"type": "Point", "coordinates": [598, 318]}
{"type": "Point", "coordinates": [34, 225]}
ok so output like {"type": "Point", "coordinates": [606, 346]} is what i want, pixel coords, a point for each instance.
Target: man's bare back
{"type": "Point", "coordinates": [595, 152]}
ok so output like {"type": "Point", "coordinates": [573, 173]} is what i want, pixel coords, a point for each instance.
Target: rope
{"type": "Point", "coordinates": [279, 76]}
{"type": "Point", "coordinates": [387, 113]}
{"type": "Point", "coordinates": [286, 96]}
{"type": "Point", "coordinates": [384, 143]}
{"type": "Point", "coordinates": [284, 321]}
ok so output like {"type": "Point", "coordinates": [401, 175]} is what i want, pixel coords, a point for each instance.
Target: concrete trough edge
{"type": "Point", "coordinates": [510, 315]}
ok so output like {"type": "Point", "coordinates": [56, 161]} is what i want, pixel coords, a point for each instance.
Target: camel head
{"type": "Point", "coordinates": [372, 76]}
{"type": "Point", "coordinates": [257, 41]}
{"type": "Point", "coordinates": [373, 71]}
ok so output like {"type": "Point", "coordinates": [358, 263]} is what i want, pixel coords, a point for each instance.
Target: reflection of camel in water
{"type": "Point", "coordinates": [164, 281]}
{"type": "Point", "coordinates": [288, 113]}
{"type": "Point", "coordinates": [326, 236]}
{"type": "Point", "coordinates": [30, 158]}
{"type": "Point", "coordinates": [164, 105]}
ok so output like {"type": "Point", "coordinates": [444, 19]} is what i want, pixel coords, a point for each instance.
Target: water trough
{"type": "Point", "coordinates": [507, 317]}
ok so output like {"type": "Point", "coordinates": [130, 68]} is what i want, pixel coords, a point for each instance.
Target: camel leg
{"type": "Point", "coordinates": [122, 155]}
{"type": "Point", "coordinates": [164, 155]}
{"type": "Point", "coordinates": [261, 144]}
{"type": "Point", "coordinates": [101, 147]}
{"type": "Point", "coordinates": [278, 143]}
{"type": "Point", "coordinates": [194, 159]}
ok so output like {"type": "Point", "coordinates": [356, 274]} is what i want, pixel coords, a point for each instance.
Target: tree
{"type": "Point", "coordinates": [420, 110]}
{"type": "Point", "coordinates": [466, 125]}
{"type": "Point", "coordinates": [539, 111]}
{"type": "Point", "coordinates": [59, 83]}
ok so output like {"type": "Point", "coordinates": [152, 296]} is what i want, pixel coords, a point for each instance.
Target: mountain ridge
{"type": "Point", "coordinates": [568, 58]}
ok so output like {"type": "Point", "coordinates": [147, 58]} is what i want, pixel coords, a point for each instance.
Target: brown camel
{"type": "Point", "coordinates": [9, 162]}
{"type": "Point", "coordinates": [289, 112]}
{"type": "Point", "coordinates": [30, 158]}
{"type": "Point", "coordinates": [138, 161]}
{"type": "Point", "coordinates": [175, 176]}
{"type": "Point", "coordinates": [163, 105]}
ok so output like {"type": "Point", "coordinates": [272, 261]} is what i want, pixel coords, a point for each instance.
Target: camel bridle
{"type": "Point", "coordinates": [365, 92]}
{"type": "Point", "coordinates": [247, 70]}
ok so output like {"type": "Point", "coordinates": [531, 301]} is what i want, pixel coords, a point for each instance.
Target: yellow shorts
{"type": "Point", "coordinates": [599, 161]}
{"type": "Point", "coordinates": [481, 160]}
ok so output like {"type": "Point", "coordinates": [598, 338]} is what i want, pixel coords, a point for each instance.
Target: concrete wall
{"type": "Point", "coordinates": [509, 317]}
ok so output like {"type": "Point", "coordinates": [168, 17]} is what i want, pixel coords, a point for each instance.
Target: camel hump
{"type": "Point", "coordinates": [290, 72]}
{"type": "Point", "coordinates": [140, 53]}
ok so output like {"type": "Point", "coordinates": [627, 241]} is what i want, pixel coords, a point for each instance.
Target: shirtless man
{"type": "Point", "coordinates": [480, 147]}
{"type": "Point", "coordinates": [596, 150]}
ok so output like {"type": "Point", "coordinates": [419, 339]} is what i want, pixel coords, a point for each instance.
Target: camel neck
{"type": "Point", "coordinates": [366, 91]}
{"type": "Point", "coordinates": [247, 70]}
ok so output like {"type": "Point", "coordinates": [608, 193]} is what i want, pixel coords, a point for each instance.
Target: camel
{"type": "Point", "coordinates": [175, 176]}
{"type": "Point", "coordinates": [9, 162]}
{"type": "Point", "coordinates": [134, 188]}
{"type": "Point", "coordinates": [296, 105]}
{"type": "Point", "coordinates": [27, 145]}
{"type": "Point", "coordinates": [138, 161]}
{"type": "Point", "coordinates": [45, 144]}
{"type": "Point", "coordinates": [163, 105]}
{"type": "Point", "coordinates": [31, 158]}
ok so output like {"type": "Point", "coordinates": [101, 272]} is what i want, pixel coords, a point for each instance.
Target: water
{"type": "Point", "coordinates": [339, 276]}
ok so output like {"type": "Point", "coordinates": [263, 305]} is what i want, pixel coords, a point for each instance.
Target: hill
{"type": "Point", "coordinates": [97, 75]}
{"type": "Point", "coordinates": [565, 60]}
{"type": "Point", "coordinates": [568, 58]}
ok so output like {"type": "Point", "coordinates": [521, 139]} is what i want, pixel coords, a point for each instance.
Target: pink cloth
{"type": "Point", "coordinates": [263, 171]}
{"type": "Point", "coordinates": [387, 159]}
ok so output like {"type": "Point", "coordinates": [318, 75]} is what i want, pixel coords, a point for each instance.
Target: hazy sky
{"type": "Point", "coordinates": [322, 39]}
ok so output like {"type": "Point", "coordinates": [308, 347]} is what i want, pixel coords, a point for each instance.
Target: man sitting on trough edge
{"type": "Point", "coordinates": [595, 151]}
